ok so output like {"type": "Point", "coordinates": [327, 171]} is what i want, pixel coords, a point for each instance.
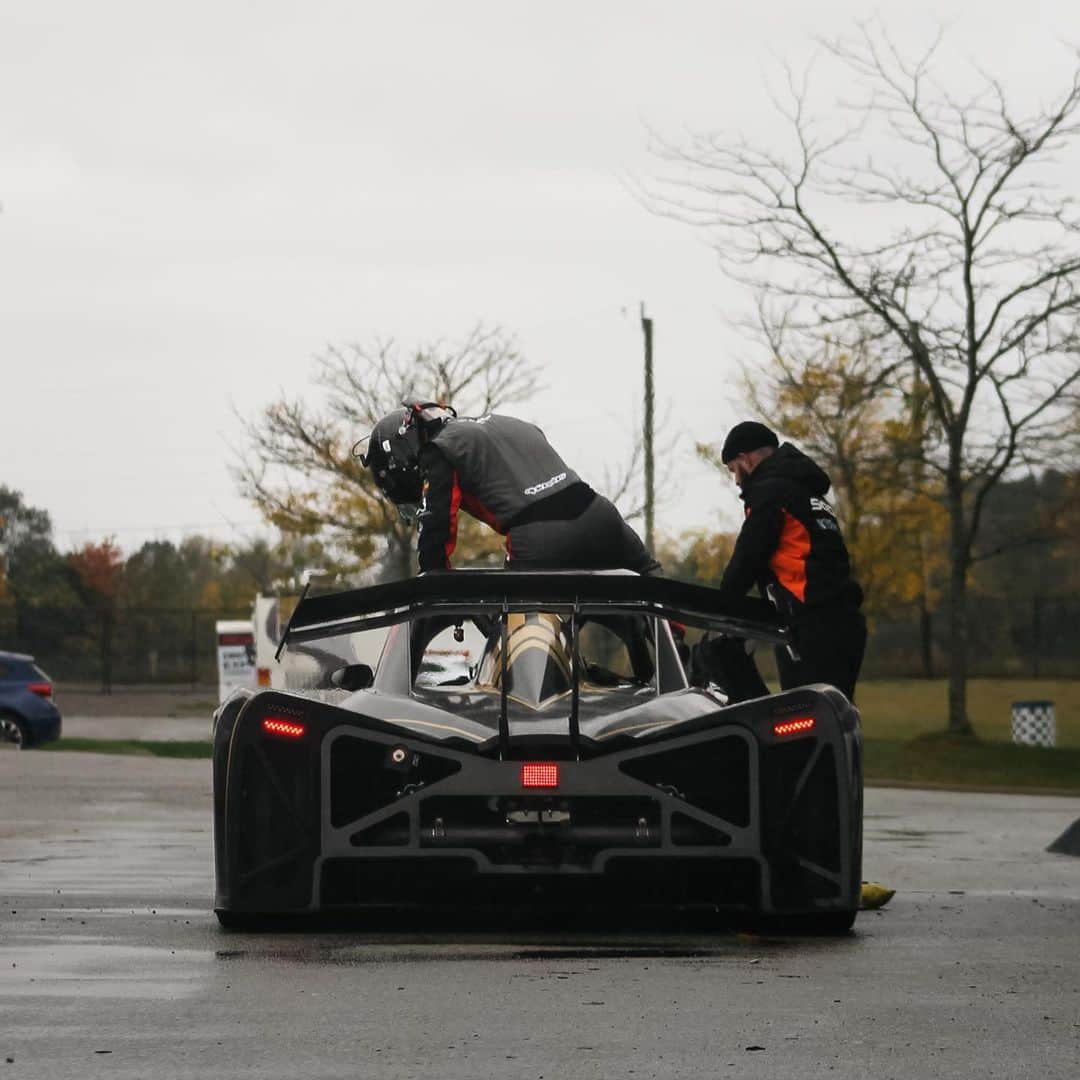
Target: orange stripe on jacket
{"type": "Point", "coordinates": [455, 502]}
{"type": "Point", "coordinates": [789, 560]}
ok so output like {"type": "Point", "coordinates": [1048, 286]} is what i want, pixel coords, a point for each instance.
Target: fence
{"type": "Point", "coordinates": [1033, 637]}
{"type": "Point", "coordinates": [130, 645]}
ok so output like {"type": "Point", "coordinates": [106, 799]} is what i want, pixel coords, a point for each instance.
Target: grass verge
{"type": "Point", "coordinates": [904, 709]}
{"type": "Point", "coordinates": [929, 760]}
{"type": "Point", "coordinates": [195, 748]}
{"type": "Point", "coordinates": [964, 763]}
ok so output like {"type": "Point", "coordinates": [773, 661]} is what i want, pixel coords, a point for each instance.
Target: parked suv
{"type": "Point", "coordinates": [28, 714]}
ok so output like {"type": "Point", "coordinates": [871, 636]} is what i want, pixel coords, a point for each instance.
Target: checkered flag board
{"type": "Point", "coordinates": [1034, 723]}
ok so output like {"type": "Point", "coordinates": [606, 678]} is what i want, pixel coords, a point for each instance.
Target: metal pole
{"type": "Point", "coordinates": [1036, 634]}
{"type": "Point", "coordinates": [504, 720]}
{"type": "Point", "coordinates": [646, 327]}
{"type": "Point", "coordinates": [194, 649]}
{"type": "Point", "coordinates": [106, 651]}
{"type": "Point", "coordinates": [575, 684]}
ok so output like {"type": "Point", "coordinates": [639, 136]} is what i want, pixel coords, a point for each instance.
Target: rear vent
{"type": "Point", "coordinates": [364, 777]}
{"type": "Point", "coordinates": [713, 776]}
{"type": "Point", "coordinates": [801, 821]}
{"type": "Point", "coordinates": [689, 832]}
{"type": "Point", "coordinates": [272, 833]}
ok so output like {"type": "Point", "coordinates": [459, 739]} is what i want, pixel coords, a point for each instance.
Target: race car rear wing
{"type": "Point", "coordinates": [572, 593]}
{"type": "Point", "coordinates": [568, 592]}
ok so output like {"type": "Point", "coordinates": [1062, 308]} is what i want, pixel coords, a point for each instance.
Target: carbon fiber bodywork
{"type": "Point", "coordinates": [663, 796]}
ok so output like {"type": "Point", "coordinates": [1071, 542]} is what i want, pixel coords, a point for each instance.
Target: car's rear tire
{"type": "Point", "coordinates": [249, 920]}
{"type": "Point", "coordinates": [816, 924]}
{"type": "Point", "coordinates": [831, 923]}
{"type": "Point", "coordinates": [13, 732]}
{"type": "Point", "coordinates": [237, 920]}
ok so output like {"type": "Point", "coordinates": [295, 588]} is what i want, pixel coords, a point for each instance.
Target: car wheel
{"type": "Point", "coordinates": [828, 923]}
{"type": "Point", "coordinates": [239, 920]}
{"type": "Point", "coordinates": [13, 732]}
{"type": "Point", "coordinates": [819, 924]}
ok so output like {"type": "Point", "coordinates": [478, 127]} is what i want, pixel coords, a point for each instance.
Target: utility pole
{"type": "Point", "coordinates": [646, 329]}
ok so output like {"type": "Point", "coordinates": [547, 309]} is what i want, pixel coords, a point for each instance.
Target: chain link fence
{"type": "Point", "coordinates": [166, 646]}
{"type": "Point", "coordinates": [1036, 637]}
{"type": "Point", "coordinates": [1033, 637]}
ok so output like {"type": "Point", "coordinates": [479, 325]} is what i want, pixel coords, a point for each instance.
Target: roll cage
{"type": "Point", "coordinates": [431, 603]}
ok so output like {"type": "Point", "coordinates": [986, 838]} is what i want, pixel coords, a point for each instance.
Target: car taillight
{"type": "Point", "coordinates": [42, 689]}
{"type": "Point", "coordinates": [794, 727]}
{"type": "Point", "coordinates": [540, 774]}
{"type": "Point", "coordinates": [278, 725]}
{"type": "Point", "coordinates": [263, 676]}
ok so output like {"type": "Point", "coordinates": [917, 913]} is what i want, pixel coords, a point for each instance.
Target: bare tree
{"type": "Point", "coordinates": [934, 219]}
{"type": "Point", "coordinates": [298, 465]}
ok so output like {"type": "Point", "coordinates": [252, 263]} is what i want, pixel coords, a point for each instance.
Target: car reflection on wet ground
{"type": "Point", "coordinates": [111, 962]}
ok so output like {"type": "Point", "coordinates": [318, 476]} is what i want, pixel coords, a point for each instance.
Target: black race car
{"type": "Point", "coordinates": [532, 738]}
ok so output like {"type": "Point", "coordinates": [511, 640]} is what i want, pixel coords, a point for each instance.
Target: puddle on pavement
{"type": "Point", "coordinates": [78, 967]}
{"type": "Point", "coordinates": [374, 952]}
{"type": "Point", "coordinates": [912, 834]}
{"type": "Point", "coordinates": [424, 949]}
{"type": "Point", "coordinates": [127, 912]}
{"type": "Point", "coordinates": [378, 953]}
{"type": "Point", "coordinates": [630, 952]}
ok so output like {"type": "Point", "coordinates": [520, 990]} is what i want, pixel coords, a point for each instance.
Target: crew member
{"type": "Point", "coordinates": [790, 546]}
{"type": "Point", "coordinates": [504, 472]}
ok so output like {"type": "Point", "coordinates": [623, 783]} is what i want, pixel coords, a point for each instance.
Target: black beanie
{"type": "Point", "coordinates": [747, 436]}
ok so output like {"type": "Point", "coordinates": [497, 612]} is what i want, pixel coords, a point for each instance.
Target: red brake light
{"type": "Point", "coordinates": [278, 725]}
{"type": "Point", "coordinates": [42, 689]}
{"type": "Point", "coordinates": [540, 774]}
{"type": "Point", "coordinates": [794, 727]}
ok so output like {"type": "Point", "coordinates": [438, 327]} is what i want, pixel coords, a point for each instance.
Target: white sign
{"type": "Point", "coordinates": [236, 656]}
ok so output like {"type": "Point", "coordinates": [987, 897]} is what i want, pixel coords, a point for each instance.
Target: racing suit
{"type": "Point", "coordinates": [790, 547]}
{"type": "Point", "coordinates": [504, 472]}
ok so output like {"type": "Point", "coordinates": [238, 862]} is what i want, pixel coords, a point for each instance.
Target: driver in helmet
{"type": "Point", "coordinates": [432, 464]}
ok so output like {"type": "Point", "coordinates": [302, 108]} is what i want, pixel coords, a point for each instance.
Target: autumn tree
{"type": "Point", "coordinates": [938, 219]}
{"type": "Point", "coordinates": [99, 570]}
{"type": "Point", "coordinates": [698, 555]}
{"type": "Point", "coordinates": [844, 407]}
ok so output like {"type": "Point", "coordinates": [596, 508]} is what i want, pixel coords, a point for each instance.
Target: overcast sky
{"type": "Point", "coordinates": [197, 197]}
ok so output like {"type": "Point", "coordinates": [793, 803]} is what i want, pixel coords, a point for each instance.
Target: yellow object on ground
{"type": "Point", "coordinates": [875, 895]}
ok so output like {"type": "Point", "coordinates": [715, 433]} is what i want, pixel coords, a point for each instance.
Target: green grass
{"type": "Point", "coordinates": [905, 741]}
{"type": "Point", "coordinates": [178, 749]}
{"type": "Point", "coordinates": [907, 708]}
{"type": "Point", "coordinates": [903, 726]}
{"type": "Point", "coordinates": [965, 763]}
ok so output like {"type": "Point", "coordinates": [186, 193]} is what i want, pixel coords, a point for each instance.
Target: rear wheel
{"type": "Point", "coordinates": [239, 920]}
{"type": "Point", "coordinates": [13, 732]}
{"type": "Point", "coordinates": [261, 920]}
{"type": "Point", "coordinates": [815, 924]}
{"type": "Point", "coordinates": [831, 923]}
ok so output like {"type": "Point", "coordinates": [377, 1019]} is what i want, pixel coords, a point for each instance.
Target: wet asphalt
{"type": "Point", "coordinates": [112, 964]}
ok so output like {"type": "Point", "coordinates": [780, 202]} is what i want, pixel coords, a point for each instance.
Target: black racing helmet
{"type": "Point", "coordinates": [393, 451]}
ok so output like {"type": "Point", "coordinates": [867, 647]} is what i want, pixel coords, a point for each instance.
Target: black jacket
{"type": "Point", "coordinates": [790, 544]}
{"type": "Point", "coordinates": [496, 468]}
